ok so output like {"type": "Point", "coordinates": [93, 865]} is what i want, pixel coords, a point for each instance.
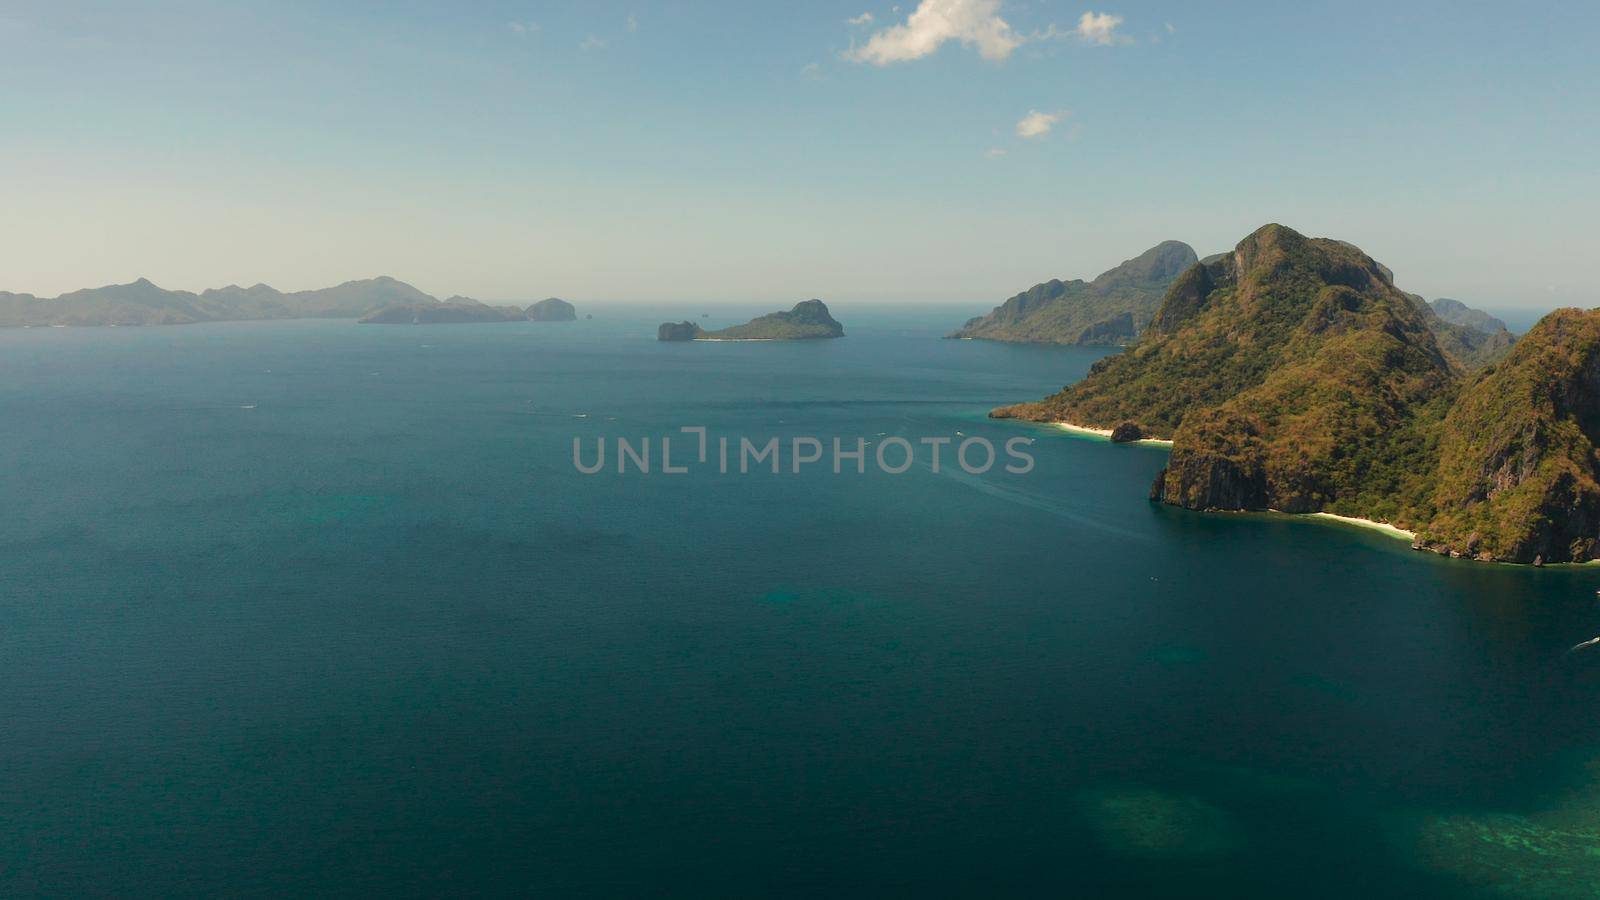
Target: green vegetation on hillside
{"type": "Point", "coordinates": [1518, 464]}
{"type": "Point", "coordinates": [1293, 375]}
{"type": "Point", "coordinates": [1112, 309]}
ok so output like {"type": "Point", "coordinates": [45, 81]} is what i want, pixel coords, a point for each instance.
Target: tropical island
{"type": "Point", "coordinates": [381, 300]}
{"type": "Point", "coordinates": [808, 320]}
{"type": "Point", "coordinates": [1115, 309]}
{"type": "Point", "coordinates": [1292, 375]}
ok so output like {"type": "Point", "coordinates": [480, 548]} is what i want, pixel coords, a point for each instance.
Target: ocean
{"type": "Point", "coordinates": [312, 608]}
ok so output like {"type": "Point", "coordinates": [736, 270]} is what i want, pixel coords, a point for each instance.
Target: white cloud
{"type": "Point", "coordinates": [631, 22]}
{"type": "Point", "coordinates": [591, 43]}
{"type": "Point", "coordinates": [523, 27]}
{"type": "Point", "coordinates": [995, 152]}
{"type": "Point", "coordinates": [863, 19]}
{"type": "Point", "coordinates": [1036, 124]}
{"type": "Point", "coordinates": [811, 70]}
{"type": "Point", "coordinates": [975, 23]}
{"type": "Point", "coordinates": [1099, 28]}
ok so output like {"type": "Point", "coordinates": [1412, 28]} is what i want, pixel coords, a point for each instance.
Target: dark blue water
{"type": "Point", "coordinates": [310, 607]}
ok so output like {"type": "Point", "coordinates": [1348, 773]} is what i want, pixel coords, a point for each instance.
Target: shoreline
{"type": "Point", "coordinates": [1381, 527]}
{"type": "Point", "coordinates": [712, 340]}
{"type": "Point", "coordinates": [1106, 434]}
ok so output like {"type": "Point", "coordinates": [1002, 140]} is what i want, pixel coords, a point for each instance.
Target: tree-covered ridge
{"type": "Point", "coordinates": [1110, 310]}
{"type": "Point", "coordinates": [1293, 375]}
{"type": "Point", "coordinates": [1224, 327]}
{"type": "Point", "coordinates": [1517, 474]}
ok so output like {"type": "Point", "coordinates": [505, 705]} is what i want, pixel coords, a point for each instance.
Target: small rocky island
{"type": "Point", "coordinates": [678, 331]}
{"type": "Point", "coordinates": [552, 309]}
{"type": "Point", "coordinates": [808, 320]}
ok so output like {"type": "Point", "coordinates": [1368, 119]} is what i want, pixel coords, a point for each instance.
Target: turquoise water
{"type": "Point", "coordinates": [308, 607]}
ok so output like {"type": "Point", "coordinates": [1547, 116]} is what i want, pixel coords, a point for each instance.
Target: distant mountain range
{"type": "Point", "coordinates": [456, 310]}
{"type": "Point", "coordinates": [1471, 336]}
{"type": "Point", "coordinates": [1291, 374]}
{"type": "Point", "coordinates": [142, 303]}
{"type": "Point", "coordinates": [1457, 313]}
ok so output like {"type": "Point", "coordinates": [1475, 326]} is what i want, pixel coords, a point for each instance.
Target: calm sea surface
{"type": "Point", "coordinates": [317, 608]}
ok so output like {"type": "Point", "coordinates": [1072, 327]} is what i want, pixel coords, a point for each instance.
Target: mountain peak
{"type": "Point", "coordinates": [1113, 309]}
{"type": "Point", "coordinates": [1287, 337]}
{"type": "Point", "coordinates": [812, 310]}
{"type": "Point", "coordinates": [806, 320]}
{"type": "Point", "coordinates": [1160, 264]}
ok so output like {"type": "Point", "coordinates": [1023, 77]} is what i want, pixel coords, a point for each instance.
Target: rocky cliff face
{"type": "Point", "coordinates": [1335, 383]}
{"type": "Point", "coordinates": [1118, 329]}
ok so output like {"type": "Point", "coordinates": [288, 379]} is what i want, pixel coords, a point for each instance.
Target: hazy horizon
{"type": "Point", "coordinates": [942, 151]}
{"type": "Point", "coordinates": [1518, 318]}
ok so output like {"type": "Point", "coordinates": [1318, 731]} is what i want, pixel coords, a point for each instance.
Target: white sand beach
{"type": "Point", "coordinates": [1106, 433]}
{"type": "Point", "coordinates": [1381, 527]}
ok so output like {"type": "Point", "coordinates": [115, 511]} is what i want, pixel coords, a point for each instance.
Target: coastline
{"type": "Point", "coordinates": [1380, 527]}
{"type": "Point", "coordinates": [1106, 434]}
{"type": "Point", "coordinates": [712, 340]}
{"type": "Point", "coordinates": [1383, 528]}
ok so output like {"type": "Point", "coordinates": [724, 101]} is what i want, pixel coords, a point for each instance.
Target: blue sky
{"type": "Point", "coordinates": [761, 151]}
